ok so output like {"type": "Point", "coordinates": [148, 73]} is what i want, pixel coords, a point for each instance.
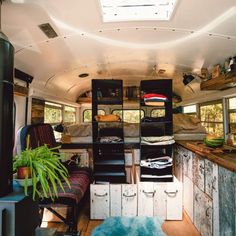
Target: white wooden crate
{"type": "Point", "coordinates": [143, 199]}
{"type": "Point", "coordinates": [99, 201]}
{"type": "Point", "coordinates": [129, 200]}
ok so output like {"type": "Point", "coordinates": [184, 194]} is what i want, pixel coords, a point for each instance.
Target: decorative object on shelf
{"type": "Point", "coordinates": [46, 171]}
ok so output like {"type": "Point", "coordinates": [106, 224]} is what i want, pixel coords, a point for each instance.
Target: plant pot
{"type": "Point", "coordinates": [23, 171]}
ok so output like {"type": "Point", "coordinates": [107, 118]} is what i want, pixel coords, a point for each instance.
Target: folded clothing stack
{"type": "Point", "coordinates": [161, 140]}
{"type": "Point", "coordinates": [157, 163]}
{"type": "Point", "coordinates": [154, 99]}
{"type": "Point", "coordinates": [110, 139]}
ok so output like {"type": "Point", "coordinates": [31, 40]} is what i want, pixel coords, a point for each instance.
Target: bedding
{"type": "Point", "coordinates": [109, 117]}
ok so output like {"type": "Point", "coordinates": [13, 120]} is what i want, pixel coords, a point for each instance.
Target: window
{"type": "Point", "coordinates": [232, 118]}
{"type": "Point", "coordinates": [211, 115]}
{"type": "Point", "coordinates": [158, 112]}
{"type": "Point", "coordinates": [190, 110]}
{"type": "Point", "coordinates": [69, 114]}
{"type": "Point", "coordinates": [130, 116]}
{"type": "Point", "coordinates": [52, 113]}
{"type": "Point", "coordinates": [87, 114]}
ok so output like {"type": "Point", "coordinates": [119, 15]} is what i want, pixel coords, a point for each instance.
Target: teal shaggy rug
{"type": "Point", "coordinates": [130, 226]}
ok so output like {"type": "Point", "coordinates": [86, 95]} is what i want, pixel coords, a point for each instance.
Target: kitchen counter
{"type": "Point", "coordinates": [226, 160]}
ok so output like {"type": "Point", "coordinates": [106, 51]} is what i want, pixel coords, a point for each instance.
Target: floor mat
{"type": "Point", "coordinates": [130, 226]}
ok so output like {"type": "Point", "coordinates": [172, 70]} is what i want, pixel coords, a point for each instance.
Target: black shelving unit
{"type": "Point", "coordinates": [160, 126]}
{"type": "Point", "coordinates": [108, 157]}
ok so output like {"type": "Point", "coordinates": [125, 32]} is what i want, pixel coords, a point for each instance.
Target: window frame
{"type": "Point", "coordinates": [229, 111]}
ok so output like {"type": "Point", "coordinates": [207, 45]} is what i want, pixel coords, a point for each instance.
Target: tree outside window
{"type": "Point", "coordinates": [212, 118]}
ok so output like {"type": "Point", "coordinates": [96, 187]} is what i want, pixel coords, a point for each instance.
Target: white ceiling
{"type": "Point", "coordinates": [200, 34]}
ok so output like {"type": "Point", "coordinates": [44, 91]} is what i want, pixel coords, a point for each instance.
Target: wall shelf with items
{"type": "Point", "coordinates": [156, 134]}
{"type": "Point", "coordinates": [108, 134]}
{"type": "Point", "coordinates": [220, 83]}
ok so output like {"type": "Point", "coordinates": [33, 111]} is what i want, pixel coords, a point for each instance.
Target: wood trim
{"type": "Point", "coordinates": [20, 90]}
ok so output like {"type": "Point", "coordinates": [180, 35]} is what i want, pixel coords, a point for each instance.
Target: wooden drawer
{"type": "Point", "coordinates": [99, 201]}
{"type": "Point", "coordinates": [129, 200]}
{"type": "Point", "coordinates": [168, 200]}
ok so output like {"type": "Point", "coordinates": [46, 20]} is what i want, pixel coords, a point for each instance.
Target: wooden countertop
{"type": "Point", "coordinates": [226, 160]}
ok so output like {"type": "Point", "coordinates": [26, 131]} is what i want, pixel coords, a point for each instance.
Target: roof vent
{"type": "Point", "coordinates": [48, 30]}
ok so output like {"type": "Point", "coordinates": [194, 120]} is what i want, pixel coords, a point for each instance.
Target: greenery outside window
{"type": "Point", "coordinates": [69, 114]}
{"type": "Point", "coordinates": [130, 115]}
{"type": "Point", "coordinates": [87, 114]}
{"type": "Point", "coordinates": [52, 113]}
{"type": "Point", "coordinates": [158, 112]}
{"type": "Point", "coordinates": [190, 110]}
{"type": "Point", "coordinates": [211, 115]}
{"type": "Point", "coordinates": [232, 118]}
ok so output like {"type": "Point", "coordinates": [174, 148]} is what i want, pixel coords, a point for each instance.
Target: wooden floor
{"type": "Point", "coordinates": [171, 228]}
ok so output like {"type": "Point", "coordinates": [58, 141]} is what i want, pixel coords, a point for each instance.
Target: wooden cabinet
{"type": "Point", "coordinates": [227, 202]}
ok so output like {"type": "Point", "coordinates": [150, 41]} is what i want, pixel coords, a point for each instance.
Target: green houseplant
{"type": "Point", "coordinates": [46, 171]}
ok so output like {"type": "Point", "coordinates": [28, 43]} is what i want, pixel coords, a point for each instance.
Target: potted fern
{"type": "Point", "coordinates": [45, 171]}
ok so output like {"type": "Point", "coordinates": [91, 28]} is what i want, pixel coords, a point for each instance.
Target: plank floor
{"type": "Point", "coordinates": [171, 228]}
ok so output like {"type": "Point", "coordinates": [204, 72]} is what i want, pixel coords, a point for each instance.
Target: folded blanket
{"type": "Point", "coordinates": [157, 139]}
{"type": "Point", "coordinates": [159, 143]}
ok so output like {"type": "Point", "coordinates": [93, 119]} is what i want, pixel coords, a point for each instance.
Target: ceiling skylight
{"type": "Point", "coordinates": [137, 10]}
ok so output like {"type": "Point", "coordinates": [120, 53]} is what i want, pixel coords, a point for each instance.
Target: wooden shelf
{"type": "Point", "coordinates": [220, 83]}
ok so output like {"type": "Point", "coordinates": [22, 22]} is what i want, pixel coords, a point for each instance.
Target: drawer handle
{"type": "Point", "coordinates": [101, 195]}
{"type": "Point", "coordinates": [214, 183]}
{"type": "Point", "coordinates": [201, 167]}
{"type": "Point", "coordinates": [196, 197]}
{"type": "Point", "coordinates": [208, 212]}
{"type": "Point", "coordinates": [171, 194]}
{"type": "Point", "coordinates": [129, 195]}
{"type": "Point", "coordinates": [149, 193]}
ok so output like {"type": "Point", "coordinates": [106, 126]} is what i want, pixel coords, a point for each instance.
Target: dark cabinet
{"type": "Point", "coordinates": [156, 133]}
{"type": "Point", "coordinates": [108, 134]}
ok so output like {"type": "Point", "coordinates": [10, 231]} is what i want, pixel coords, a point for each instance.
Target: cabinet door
{"type": "Point", "coordinates": [206, 217]}
{"type": "Point", "coordinates": [227, 202]}
{"type": "Point", "coordinates": [129, 200]}
{"type": "Point", "coordinates": [178, 165]}
{"type": "Point", "coordinates": [209, 179]}
{"type": "Point", "coordinates": [100, 201]}
{"type": "Point", "coordinates": [160, 208]}
{"type": "Point", "coordinates": [188, 196]}
{"type": "Point", "coordinates": [115, 199]}
{"type": "Point", "coordinates": [198, 201]}
{"type": "Point", "coordinates": [174, 201]}
{"type": "Point", "coordinates": [187, 157]}
{"type": "Point", "coordinates": [198, 172]}
{"type": "Point", "coordinates": [146, 195]}
{"type": "Point", "coordinates": [202, 212]}
{"type": "Point", "coordinates": [215, 196]}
